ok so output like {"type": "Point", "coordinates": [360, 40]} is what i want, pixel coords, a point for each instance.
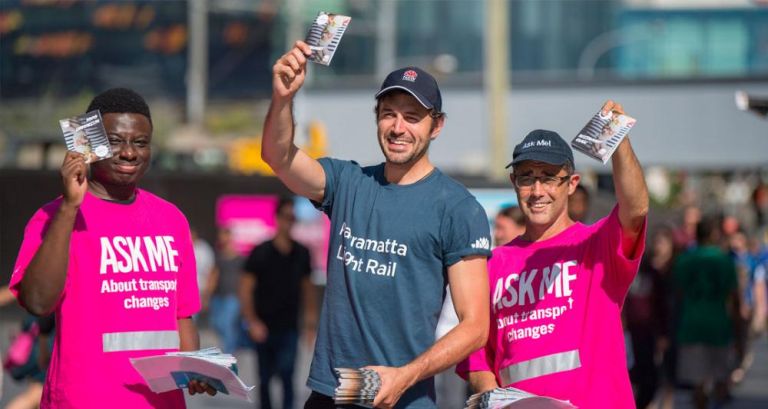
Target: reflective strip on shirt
{"type": "Point", "coordinates": [140, 340]}
{"type": "Point", "coordinates": [545, 365]}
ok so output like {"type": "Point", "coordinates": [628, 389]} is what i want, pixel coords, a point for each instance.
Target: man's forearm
{"type": "Point", "coordinates": [277, 140]}
{"type": "Point", "coordinates": [631, 190]}
{"type": "Point", "coordinates": [245, 295]}
{"type": "Point", "coordinates": [46, 274]}
{"type": "Point", "coordinates": [462, 340]}
{"type": "Point", "coordinates": [189, 339]}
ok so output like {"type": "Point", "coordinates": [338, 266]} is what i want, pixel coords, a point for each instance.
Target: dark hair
{"type": "Point", "coordinates": [514, 213]}
{"type": "Point", "coordinates": [432, 112]}
{"type": "Point", "coordinates": [282, 202]}
{"type": "Point", "coordinates": [120, 101]}
{"type": "Point", "coordinates": [708, 230]}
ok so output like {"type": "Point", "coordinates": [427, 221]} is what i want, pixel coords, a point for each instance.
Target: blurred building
{"type": "Point", "coordinates": [674, 64]}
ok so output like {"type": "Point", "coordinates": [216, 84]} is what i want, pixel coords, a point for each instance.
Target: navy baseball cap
{"type": "Point", "coordinates": [543, 146]}
{"type": "Point", "coordinates": [416, 82]}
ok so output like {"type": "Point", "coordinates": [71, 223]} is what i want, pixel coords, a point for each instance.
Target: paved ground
{"type": "Point", "coordinates": [752, 393]}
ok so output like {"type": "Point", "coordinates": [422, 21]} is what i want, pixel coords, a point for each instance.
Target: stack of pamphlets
{"type": "Point", "coordinates": [175, 370]}
{"type": "Point", "coordinates": [324, 36]}
{"type": "Point", "coordinates": [602, 135]}
{"type": "Point", "coordinates": [86, 134]}
{"type": "Point", "coordinates": [513, 398]}
{"type": "Point", "coordinates": [356, 386]}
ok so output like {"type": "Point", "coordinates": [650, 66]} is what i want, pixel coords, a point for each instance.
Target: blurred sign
{"type": "Point", "coordinates": [251, 221]}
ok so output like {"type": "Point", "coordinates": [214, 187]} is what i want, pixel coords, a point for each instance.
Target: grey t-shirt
{"type": "Point", "coordinates": [390, 248]}
{"type": "Point", "coordinates": [229, 275]}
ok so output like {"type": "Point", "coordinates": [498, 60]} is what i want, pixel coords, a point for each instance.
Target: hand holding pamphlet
{"type": "Point", "coordinates": [513, 398]}
{"type": "Point", "coordinates": [602, 135]}
{"type": "Point", "coordinates": [324, 36]}
{"type": "Point", "coordinates": [356, 386]}
{"type": "Point", "coordinates": [175, 370]}
{"type": "Point", "coordinates": [86, 134]}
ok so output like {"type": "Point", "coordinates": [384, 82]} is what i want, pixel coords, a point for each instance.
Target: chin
{"type": "Point", "coordinates": [541, 219]}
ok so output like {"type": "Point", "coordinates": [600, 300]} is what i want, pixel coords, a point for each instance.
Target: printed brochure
{"type": "Point", "coordinates": [602, 135]}
{"type": "Point", "coordinates": [513, 398]}
{"type": "Point", "coordinates": [86, 134]}
{"type": "Point", "coordinates": [324, 36]}
{"type": "Point", "coordinates": [175, 370]}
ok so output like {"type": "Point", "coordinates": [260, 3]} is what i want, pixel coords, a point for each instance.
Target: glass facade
{"type": "Point", "coordinates": [694, 43]}
{"type": "Point", "coordinates": [63, 47]}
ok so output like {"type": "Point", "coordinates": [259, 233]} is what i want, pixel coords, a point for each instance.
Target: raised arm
{"type": "Point", "coordinates": [46, 274]}
{"type": "Point", "coordinates": [469, 289]}
{"type": "Point", "coordinates": [301, 173]}
{"type": "Point", "coordinates": [629, 182]}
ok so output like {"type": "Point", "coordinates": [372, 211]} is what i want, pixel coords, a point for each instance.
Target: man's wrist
{"type": "Point", "coordinates": [68, 210]}
{"type": "Point", "coordinates": [412, 372]}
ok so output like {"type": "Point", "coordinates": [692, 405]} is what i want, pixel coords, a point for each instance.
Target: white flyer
{"type": "Point", "coordinates": [602, 135]}
{"type": "Point", "coordinates": [164, 373]}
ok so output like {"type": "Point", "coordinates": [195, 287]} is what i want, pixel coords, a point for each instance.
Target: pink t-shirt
{"type": "Point", "coordinates": [555, 316]}
{"type": "Point", "coordinates": [131, 276]}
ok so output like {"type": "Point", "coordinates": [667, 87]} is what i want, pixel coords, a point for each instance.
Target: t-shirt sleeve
{"type": "Point", "coordinates": [621, 270]}
{"type": "Point", "coordinates": [465, 232]}
{"type": "Point", "coordinates": [34, 233]}
{"type": "Point", "coordinates": [188, 294]}
{"type": "Point", "coordinates": [332, 168]}
{"type": "Point", "coordinates": [253, 260]}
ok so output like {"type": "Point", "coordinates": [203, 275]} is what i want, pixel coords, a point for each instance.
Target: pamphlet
{"type": "Point", "coordinates": [513, 398]}
{"type": "Point", "coordinates": [602, 135]}
{"type": "Point", "coordinates": [86, 134]}
{"type": "Point", "coordinates": [175, 370]}
{"type": "Point", "coordinates": [356, 386]}
{"type": "Point", "coordinates": [324, 36]}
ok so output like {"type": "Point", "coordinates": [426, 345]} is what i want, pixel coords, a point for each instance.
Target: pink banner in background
{"type": "Point", "coordinates": [251, 220]}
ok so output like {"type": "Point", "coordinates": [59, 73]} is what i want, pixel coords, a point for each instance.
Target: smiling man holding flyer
{"type": "Point", "coordinates": [115, 264]}
{"type": "Point", "coordinates": [557, 290]}
{"type": "Point", "coordinates": [400, 231]}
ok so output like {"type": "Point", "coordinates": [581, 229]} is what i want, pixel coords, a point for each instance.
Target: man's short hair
{"type": "Point", "coordinates": [120, 101]}
{"type": "Point", "coordinates": [708, 229]}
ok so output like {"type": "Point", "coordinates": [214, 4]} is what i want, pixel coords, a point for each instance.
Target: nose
{"type": "Point", "coordinates": [537, 189]}
{"type": "Point", "coordinates": [127, 151]}
{"type": "Point", "coordinates": [399, 127]}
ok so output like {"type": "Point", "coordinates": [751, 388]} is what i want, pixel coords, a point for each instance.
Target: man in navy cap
{"type": "Point", "coordinates": [400, 231]}
{"type": "Point", "coordinates": [558, 288]}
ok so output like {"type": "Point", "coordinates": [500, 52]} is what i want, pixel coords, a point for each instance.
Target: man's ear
{"type": "Point", "coordinates": [438, 124]}
{"type": "Point", "coordinates": [575, 179]}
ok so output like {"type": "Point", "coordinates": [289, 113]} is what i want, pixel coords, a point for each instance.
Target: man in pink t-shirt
{"type": "Point", "coordinates": [116, 265]}
{"type": "Point", "coordinates": [557, 290]}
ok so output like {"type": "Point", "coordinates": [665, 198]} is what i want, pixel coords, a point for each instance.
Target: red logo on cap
{"type": "Point", "coordinates": [410, 75]}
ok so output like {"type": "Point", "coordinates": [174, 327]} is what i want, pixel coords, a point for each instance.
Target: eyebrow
{"type": "Point", "coordinates": [530, 172]}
